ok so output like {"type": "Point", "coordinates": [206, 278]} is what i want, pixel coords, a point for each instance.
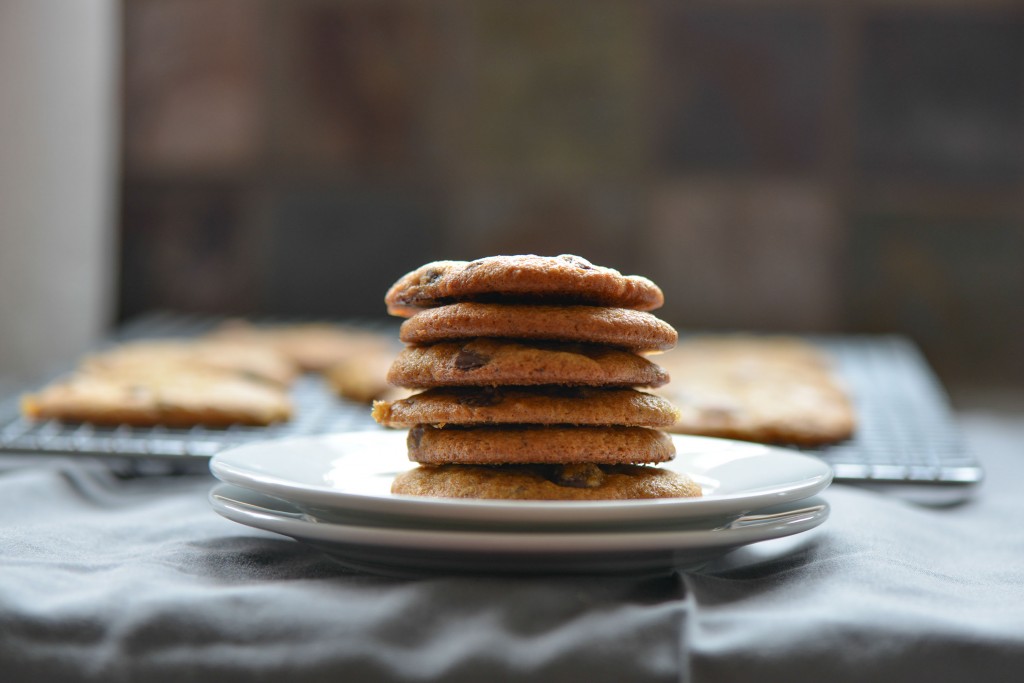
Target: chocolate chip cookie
{"type": "Point", "coordinates": [364, 378]}
{"type": "Point", "coordinates": [177, 398]}
{"type": "Point", "coordinates": [610, 445]}
{"type": "Point", "coordinates": [564, 279]}
{"type": "Point", "coordinates": [773, 390]}
{"type": "Point", "coordinates": [239, 359]}
{"type": "Point", "coordinates": [618, 327]}
{"type": "Point", "coordinates": [585, 481]}
{"type": "Point", "coordinates": [484, 362]}
{"type": "Point", "coordinates": [520, 405]}
{"type": "Point", "coordinates": [314, 347]}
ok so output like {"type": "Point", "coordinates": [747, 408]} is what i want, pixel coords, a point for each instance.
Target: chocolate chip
{"type": "Point", "coordinates": [468, 359]}
{"type": "Point", "coordinates": [431, 275]}
{"type": "Point", "coordinates": [584, 475]}
{"type": "Point", "coordinates": [416, 435]}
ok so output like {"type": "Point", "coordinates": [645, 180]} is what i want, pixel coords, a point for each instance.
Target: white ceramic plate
{"type": "Point", "coordinates": [351, 474]}
{"type": "Point", "coordinates": [397, 550]}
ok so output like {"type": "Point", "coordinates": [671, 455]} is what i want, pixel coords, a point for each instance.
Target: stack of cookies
{"type": "Point", "coordinates": [527, 368]}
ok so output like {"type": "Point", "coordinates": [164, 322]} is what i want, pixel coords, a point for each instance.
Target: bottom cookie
{"type": "Point", "coordinates": [537, 444]}
{"type": "Point", "coordinates": [584, 481]}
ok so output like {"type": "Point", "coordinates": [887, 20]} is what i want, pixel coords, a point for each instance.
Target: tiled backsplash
{"type": "Point", "coordinates": [779, 165]}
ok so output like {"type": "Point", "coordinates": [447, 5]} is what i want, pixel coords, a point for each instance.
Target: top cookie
{"type": "Point", "coordinates": [564, 279]}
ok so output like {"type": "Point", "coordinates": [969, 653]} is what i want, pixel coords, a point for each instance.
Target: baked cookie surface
{"type": "Point", "coordinates": [518, 405]}
{"type": "Point", "coordinates": [483, 362]}
{"type": "Point", "coordinates": [538, 445]}
{"type": "Point", "coordinates": [564, 279]}
{"type": "Point", "coordinates": [167, 355]}
{"type": "Point", "coordinates": [540, 482]}
{"type": "Point", "coordinates": [773, 390]}
{"type": "Point", "coordinates": [363, 378]}
{"type": "Point", "coordinates": [618, 327]}
{"type": "Point", "coordinates": [178, 399]}
{"type": "Point", "coordinates": [314, 347]}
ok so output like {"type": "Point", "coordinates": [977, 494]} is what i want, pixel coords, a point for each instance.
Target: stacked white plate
{"type": "Point", "coordinates": [333, 492]}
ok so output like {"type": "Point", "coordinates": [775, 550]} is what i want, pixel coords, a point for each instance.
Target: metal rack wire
{"type": "Point", "coordinates": [905, 428]}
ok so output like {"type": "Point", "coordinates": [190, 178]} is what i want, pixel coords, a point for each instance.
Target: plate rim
{"type": "Point", "coordinates": [499, 511]}
{"type": "Point", "coordinates": [481, 541]}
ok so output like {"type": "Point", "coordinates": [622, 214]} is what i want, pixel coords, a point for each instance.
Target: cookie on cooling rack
{"type": "Point", "coordinates": [180, 398]}
{"type": "Point", "coordinates": [168, 355]}
{"type": "Point", "coordinates": [363, 378]}
{"type": "Point", "coordinates": [764, 389]}
{"type": "Point", "coordinates": [314, 347]}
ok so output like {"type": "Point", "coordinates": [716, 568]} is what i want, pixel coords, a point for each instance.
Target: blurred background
{"type": "Point", "coordinates": [775, 165]}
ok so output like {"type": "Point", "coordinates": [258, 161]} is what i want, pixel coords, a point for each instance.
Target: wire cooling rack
{"type": "Point", "coordinates": [905, 432]}
{"type": "Point", "coordinates": [144, 450]}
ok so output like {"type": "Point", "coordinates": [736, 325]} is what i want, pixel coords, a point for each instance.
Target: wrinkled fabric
{"type": "Point", "coordinates": [885, 590]}
{"type": "Point", "coordinates": [109, 579]}
{"type": "Point", "coordinates": [121, 580]}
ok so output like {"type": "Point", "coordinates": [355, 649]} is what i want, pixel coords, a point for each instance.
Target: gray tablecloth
{"type": "Point", "coordinates": [104, 579]}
